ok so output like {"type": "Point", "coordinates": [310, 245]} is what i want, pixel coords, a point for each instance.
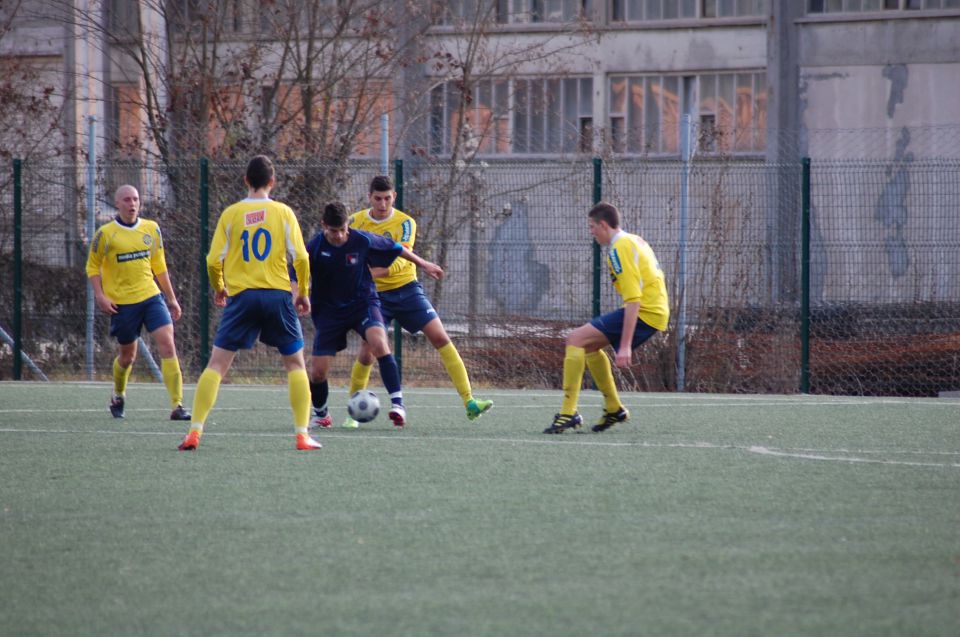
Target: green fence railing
{"type": "Point", "coordinates": [839, 277]}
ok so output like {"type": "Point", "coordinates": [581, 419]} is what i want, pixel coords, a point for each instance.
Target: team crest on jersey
{"type": "Point", "coordinates": [388, 235]}
{"type": "Point", "coordinates": [254, 217]}
{"type": "Point", "coordinates": [353, 258]}
{"type": "Point", "coordinates": [615, 262]}
{"type": "Point", "coordinates": [147, 239]}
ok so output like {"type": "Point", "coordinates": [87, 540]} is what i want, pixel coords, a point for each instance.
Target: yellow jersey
{"type": "Point", "coordinates": [254, 241]}
{"type": "Point", "coordinates": [127, 258]}
{"type": "Point", "coordinates": [399, 227]}
{"type": "Point", "coordinates": [637, 276]}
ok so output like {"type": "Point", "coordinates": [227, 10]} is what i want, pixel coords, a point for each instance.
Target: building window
{"type": "Point", "coordinates": [124, 19]}
{"type": "Point", "coordinates": [650, 10]}
{"type": "Point", "coordinates": [730, 113]}
{"type": "Point", "coordinates": [124, 124]}
{"type": "Point", "coordinates": [456, 12]}
{"type": "Point", "coordinates": [522, 116]}
{"type": "Point", "coordinates": [855, 6]}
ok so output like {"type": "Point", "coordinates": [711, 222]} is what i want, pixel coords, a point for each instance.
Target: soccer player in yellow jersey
{"type": "Point", "coordinates": [254, 241]}
{"type": "Point", "coordinates": [402, 297]}
{"type": "Point", "coordinates": [638, 279]}
{"type": "Point", "coordinates": [126, 255]}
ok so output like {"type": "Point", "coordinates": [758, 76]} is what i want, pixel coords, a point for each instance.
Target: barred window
{"type": "Point", "coordinates": [649, 10]}
{"type": "Point", "coordinates": [454, 12]}
{"type": "Point", "coordinates": [855, 6]}
{"type": "Point", "coordinates": [646, 112]}
{"type": "Point", "coordinates": [522, 116]}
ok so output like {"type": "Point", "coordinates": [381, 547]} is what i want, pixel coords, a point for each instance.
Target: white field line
{"type": "Point", "coordinates": [800, 454]}
{"type": "Point", "coordinates": [682, 400]}
{"type": "Point", "coordinates": [590, 402]}
{"type": "Point", "coordinates": [809, 456]}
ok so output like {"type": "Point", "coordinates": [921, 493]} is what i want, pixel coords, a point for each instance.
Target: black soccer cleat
{"type": "Point", "coordinates": [610, 418]}
{"type": "Point", "coordinates": [116, 406]}
{"type": "Point", "coordinates": [179, 413]}
{"type": "Point", "coordinates": [562, 422]}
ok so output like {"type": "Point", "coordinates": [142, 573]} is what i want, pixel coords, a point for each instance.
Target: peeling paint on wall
{"type": "Point", "coordinates": [898, 74]}
{"type": "Point", "coordinates": [516, 281]}
{"type": "Point", "coordinates": [891, 210]}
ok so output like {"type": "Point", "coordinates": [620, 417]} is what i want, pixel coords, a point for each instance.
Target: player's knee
{"type": "Point", "coordinates": [378, 350]}
{"type": "Point", "coordinates": [439, 341]}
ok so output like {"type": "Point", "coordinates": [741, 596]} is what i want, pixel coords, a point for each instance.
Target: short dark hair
{"type": "Point", "coordinates": [604, 211]}
{"type": "Point", "coordinates": [259, 172]}
{"type": "Point", "coordinates": [381, 183]}
{"type": "Point", "coordinates": [334, 214]}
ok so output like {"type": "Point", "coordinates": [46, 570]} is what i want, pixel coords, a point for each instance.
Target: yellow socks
{"type": "Point", "coordinates": [602, 373]}
{"type": "Point", "coordinates": [359, 377]}
{"type": "Point", "coordinates": [206, 395]}
{"type": "Point", "coordinates": [120, 377]}
{"type": "Point", "coordinates": [173, 379]}
{"type": "Point", "coordinates": [574, 362]}
{"type": "Point", "coordinates": [298, 387]}
{"type": "Point", "coordinates": [457, 371]}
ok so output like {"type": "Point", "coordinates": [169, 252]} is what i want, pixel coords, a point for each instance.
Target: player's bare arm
{"type": "Point", "coordinates": [302, 305]}
{"type": "Point", "coordinates": [625, 351]}
{"type": "Point", "coordinates": [163, 280]}
{"type": "Point", "coordinates": [433, 270]}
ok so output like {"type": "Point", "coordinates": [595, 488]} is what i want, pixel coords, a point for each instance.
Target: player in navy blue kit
{"type": "Point", "coordinates": [343, 297]}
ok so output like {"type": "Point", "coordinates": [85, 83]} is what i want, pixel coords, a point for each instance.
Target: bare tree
{"type": "Point", "coordinates": [31, 100]}
{"type": "Point", "coordinates": [478, 53]}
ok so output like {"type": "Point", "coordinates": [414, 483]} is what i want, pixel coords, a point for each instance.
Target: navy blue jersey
{"type": "Point", "coordinates": [340, 279]}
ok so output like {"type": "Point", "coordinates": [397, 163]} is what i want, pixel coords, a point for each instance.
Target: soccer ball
{"type": "Point", "coordinates": [363, 406]}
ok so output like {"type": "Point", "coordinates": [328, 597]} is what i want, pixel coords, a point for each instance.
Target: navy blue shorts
{"type": "Point", "coordinates": [611, 325]}
{"type": "Point", "coordinates": [409, 305]}
{"type": "Point", "coordinates": [330, 331]}
{"type": "Point", "coordinates": [268, 314]}
{"type": "Point", "coordinates": [126, 323]}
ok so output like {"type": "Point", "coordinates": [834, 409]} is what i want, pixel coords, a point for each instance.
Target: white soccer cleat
{"type": "Point", "coordinates": [398, 415]}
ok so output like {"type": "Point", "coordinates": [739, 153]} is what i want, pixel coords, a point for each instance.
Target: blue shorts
{"type": "Point", "coordinates": [330, 331]}
{"type": "Point", "coordinates": [268, 314]}
{"type": "Point", "coordinates": [126, 323]}
{"type": "Point", "coordinates": [409, 305]}
{"type": "Point", "coordinates": [612, 327]}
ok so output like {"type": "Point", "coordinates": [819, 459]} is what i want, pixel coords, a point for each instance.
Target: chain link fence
{"type": "Point", "coordinates": [884, 297]}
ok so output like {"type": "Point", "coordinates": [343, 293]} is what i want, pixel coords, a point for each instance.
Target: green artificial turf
{"type": "Point", "coordinates": [704, 515]}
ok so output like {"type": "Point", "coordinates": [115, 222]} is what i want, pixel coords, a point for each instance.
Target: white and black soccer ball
{"type": "Point", "coordinates": [363, 406]}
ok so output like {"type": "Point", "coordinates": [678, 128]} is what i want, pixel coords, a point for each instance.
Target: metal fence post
{"type": "Point", "coordinates": [805, 280]}
{"type": "Point", "coordinates": [91, 230]}
{"type": "Point", "coordinates": [597, 197]}
{"type": "Point", "coordinates": [204, 246]}
{"type": "Point", "coordinates": [397, 330]}
{"type": "Point", "coordinates": [17, 268]}
{"type": "Point", "coordinates": [686, 152]}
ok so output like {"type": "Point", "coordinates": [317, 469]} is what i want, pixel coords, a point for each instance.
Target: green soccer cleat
{"type": "Point", "coordinates": [350, 423]}
{"type": "Point", "coordinates": [610, 418]}
{"type": "Point", "coordinates": [477, 408]}
{"type": "Point", "coordinates": [562, 422]}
